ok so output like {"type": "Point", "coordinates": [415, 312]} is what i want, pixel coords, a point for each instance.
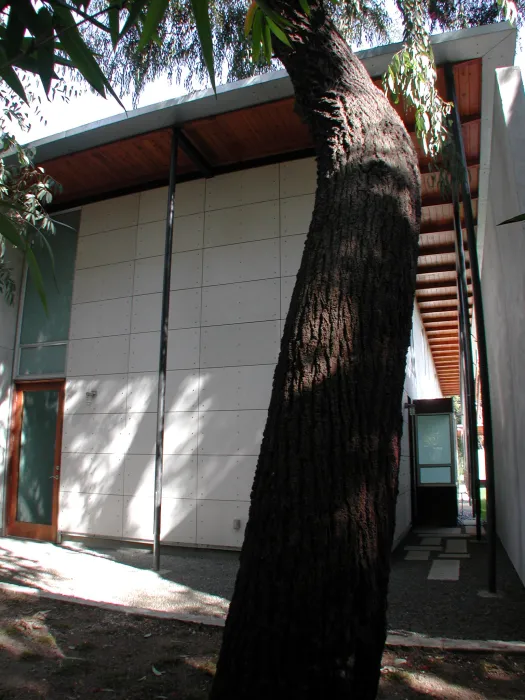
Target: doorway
{"type": "Point", "coordinates": [34, 459]}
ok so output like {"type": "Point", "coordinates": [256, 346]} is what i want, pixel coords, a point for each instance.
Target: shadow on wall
{"type": "Point", "coordinates": [108, 462]}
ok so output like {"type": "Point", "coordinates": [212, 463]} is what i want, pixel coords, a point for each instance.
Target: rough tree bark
{"type": "Point", "coordinates": [308, 616]}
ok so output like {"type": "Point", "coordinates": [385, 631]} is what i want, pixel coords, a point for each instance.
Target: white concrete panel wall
{"type": "Point", "coordinates": [503, 286]}
{"type": "Point", "coordinates": [237, 248]}
{"type": "Point", "coordinates": [421, 383]}
{"type": "Point", "coordinates": [8, 315]}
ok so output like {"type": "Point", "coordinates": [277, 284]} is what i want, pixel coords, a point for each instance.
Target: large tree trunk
{"type": "Point", "coordinates": [308, 616]}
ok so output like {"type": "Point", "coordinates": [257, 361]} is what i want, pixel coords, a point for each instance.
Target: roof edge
{"type": "Point", "coordinates": [453, 47]}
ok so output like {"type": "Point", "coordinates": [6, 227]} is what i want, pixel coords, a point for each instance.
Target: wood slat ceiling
{"type": "Point", "coordinates": [274, 131]}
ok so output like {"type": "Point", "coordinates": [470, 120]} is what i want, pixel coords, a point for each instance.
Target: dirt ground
{"type": "Point", "coordinates": [62, 651]}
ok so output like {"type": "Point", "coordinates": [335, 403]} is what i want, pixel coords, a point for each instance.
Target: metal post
{"type": "Point", "coordinates": [466, 346]}
{"type": "Point", "coordinates": [480, 327]}
{"type": "Point", "coordinates": [159, 446]}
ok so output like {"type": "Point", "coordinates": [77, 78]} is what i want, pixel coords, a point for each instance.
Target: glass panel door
{"type": "Point", "coordinates": [34, 469]}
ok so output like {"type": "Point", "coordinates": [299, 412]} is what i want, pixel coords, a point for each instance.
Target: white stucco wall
{"type": "Point", "coordinates": [8, 316]}
{"type": "Point", "coordinates": [421, 383]}
{"type": "Point", "coordinates": [238, 243]}
{"type": "Point", "coordinates": [503, 285]}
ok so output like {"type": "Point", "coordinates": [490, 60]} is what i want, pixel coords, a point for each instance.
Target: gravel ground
{"type": "Point", "coordinates": [204, 579]}
{"type": "Point", "coordinates": [454, 608]}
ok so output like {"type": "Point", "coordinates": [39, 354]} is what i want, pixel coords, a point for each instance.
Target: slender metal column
{"type": "Point", "coordinates": [466, 343]}
{"type": "Point", "coordinates": [159, 446]}
{"type": "Point", "coordinates": [480, 328]}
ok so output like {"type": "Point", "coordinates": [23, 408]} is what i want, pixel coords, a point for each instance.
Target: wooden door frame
{"type": "Point", "coordinates": [13, 527]}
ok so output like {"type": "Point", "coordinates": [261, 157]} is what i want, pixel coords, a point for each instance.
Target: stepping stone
{"type": "Point", "coordinates": [420, 548]}
{"type": "Point", "coordinates": [454, 555]}
{"type": "Point", "coordinates": [444, 570]}
{"type": "Point", "coordinates": [434, 541]}
{"type": "Point", "coordinates": [456, 547]}
{"type": "Point", "coordinates": [417, 556]}
{"type": "Point", "coordinates": [469, 521]}
{"type": "Point", "coordinates": [470, 529]}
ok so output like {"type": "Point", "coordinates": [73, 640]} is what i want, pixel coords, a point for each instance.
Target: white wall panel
{"type": "Point", "coordinates": [179, 478]}
{"type": "Point", "coordinates": [243, 187]}
{"type": "Point", "coordinates": [106, 248]}
{"type": "Point", "coordinates": [292, 248]}
{"type": "Point", "coordinates": [239, 303]}
{"type": "Point", "coordinates": [110, 214]}
{"type": "Point", "coordinates": [251, 222]}
{"type": "Point", "coordinates": [188, 232]}
{"type": "Point", "coordinates": [185, 308]}
{"type": "Point", "coordinates": [181, 433]}
{"type": "Point", "coordinates": [178, 519]}
{"type": "Point", "coordinates": [187, 235]}
{"type": "Point", "coordinates": [105, 282]}
{"type": "Point", "coordinates": [141, 431]}
{"type": "Point", "coordinates": [287, 287]}
{"type": "Point", "coordinates": [296, 214]}
{"type": "Point", "coordinates": [146, 315]}
{"type": "Point", "coordinates": [142, 392]}
{"type": "Point", "coordinates": [97, 433]}
{"type": "Point", "coordinates": [182, 390]}
{"type": "Point", "coordinates": [183, 348]}
{"type": "Point", "coordinates": [153, 205]}
{"type": "Point", "coordinates": [144, 352]}
{"type": "Point", "coordinates": [148, 275]}
{"type": "Point", "coordinates": [92, 473]}
{"type": "Point", "coordinates": [186, 270]}
{"type": "Point", "coordinates": [235, 388]}
{"type": "Point", "coordinates": [231, 432]}
{"type": "Point", "coordinates": [85, 514]}
{"type": "Point", "coordinates": [215, 522]}
{"type": "Point", "coordinates": [226, 478]}
{"type": "Point", "coordinates": [98, 356]}
{"type": "Point", "coordinates": [110, 394]}
{"type": "Point", "coordinates": [189, 198]}
{"type": "Point", "coordinates": [150, 239]}
{"type": "Point", "coordinates": [298, 177]}
{"type": "Point", "coordinates": [100, 318]}
{"type": "Point", "coordinates": [240, 344]}
{"type": "Point", "coordinates": [241, 262]}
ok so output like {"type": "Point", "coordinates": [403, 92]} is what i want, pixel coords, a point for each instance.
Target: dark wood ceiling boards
{"type": "Point", "coordinates": [274, 131]}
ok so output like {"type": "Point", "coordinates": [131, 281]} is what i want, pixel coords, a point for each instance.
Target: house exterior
{"type": "Point", "coordinates": [238, 240]}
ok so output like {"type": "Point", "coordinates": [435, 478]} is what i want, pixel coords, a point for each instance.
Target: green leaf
{"type": "Point", "coordinates": [267, 41]}
{"type": "Point", "coordinates": [278, 32]}
{"type": "Point", "coordinates": [134, 9]}
{"type": "Point", "coordinates": [46, 49]}
{"type": "Point", "coordinates": [114, 25]}
{"type": "Point", "coordinates": [514, 220]}
{"type": "Point", "coordinates": [36, 276]}
{"type": "Point", "coordinates": [10, 232]}
{"type": "Point", "coordinates": [156, 11]}
{"type": "Point", "coordinates": [257, 36]}
{"type": "Point", "coordinates": [73, 44]}
{"type": "Point", "coordinates": [14, 33]}
{"type": "Point", "coordinates": [248, 22]}
{"type": "Point", "coordinates": [305, 6]}
{"type": "Point", "coordinates": [9, 76]}
{"type": "Point", "coordinates": [279, 21]}
{"type": "Point", "coordinates": [202, 21]}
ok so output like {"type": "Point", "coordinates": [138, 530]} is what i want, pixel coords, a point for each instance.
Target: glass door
{"type": "Point", "coordinates": [34, 460]}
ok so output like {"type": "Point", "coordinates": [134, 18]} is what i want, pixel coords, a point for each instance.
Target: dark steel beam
{"type": "Point", "coordinates": [163, 355]}
{"type": "Point", "coordinates": [195, 156]}
{"type": "Point", "coordinates": [480, 329]}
